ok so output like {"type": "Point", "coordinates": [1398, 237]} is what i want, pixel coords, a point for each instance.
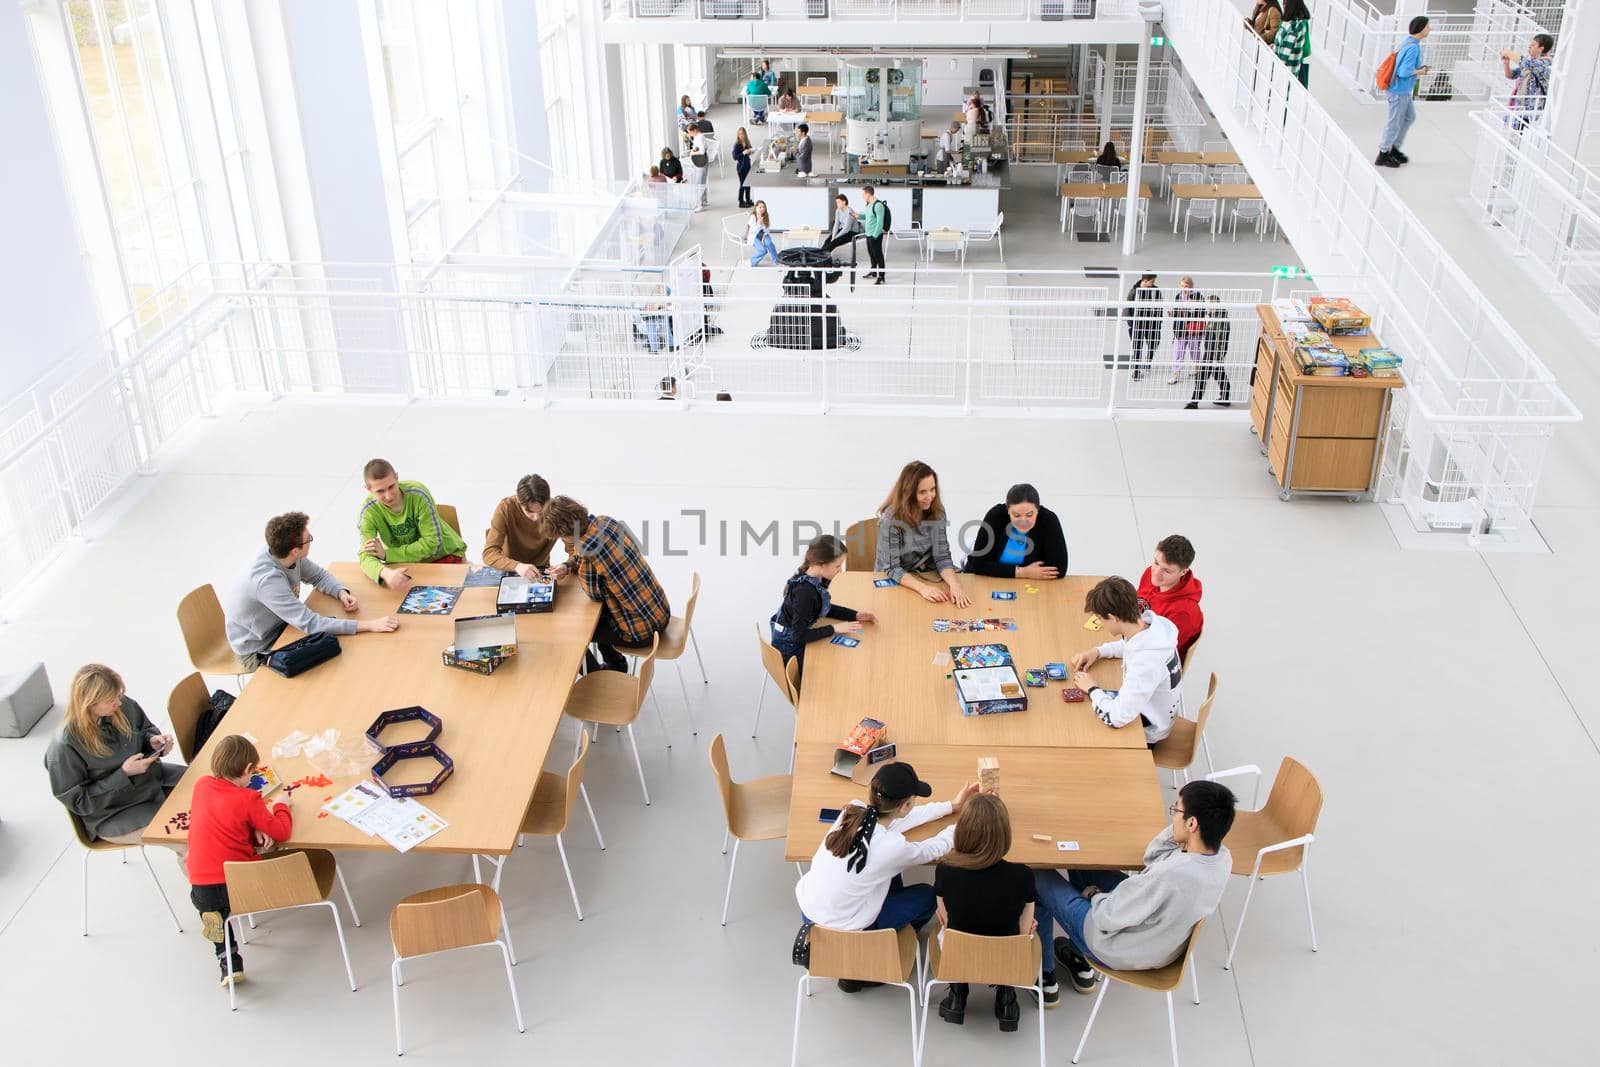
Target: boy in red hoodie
{"type": "Point", "coordinates": [1172, 590]}
{"type": "Point", "coordinates": [226, 819]}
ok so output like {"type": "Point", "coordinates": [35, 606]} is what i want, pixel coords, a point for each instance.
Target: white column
{"type": "Point", "coordinates": [616, 129]}
{"type": "Point", "coordinates": [1573, 77]}
{"type": "Point", "coordinates": [1081, 84]}
{"type": "Point", "coordinates": [357, 222]}
{"type": "Point", "coordinates": [1107, 86]}
{"type": "Point", "coordinates": [525, 78]}
{"type": "Point", "coordinates": [47, 304]}
{"type": "Point", "coordinates": [1141, 93]}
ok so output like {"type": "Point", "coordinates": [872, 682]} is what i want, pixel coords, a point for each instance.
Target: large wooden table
{"type": "Point", "coordinates": [1172, 157]}
{"type": "Point", "coordinates": [1063, 772]}
{"type": "Point", "coordinates": [1211, 191]}
{"type": "Point", "coordinates": [497, 728]}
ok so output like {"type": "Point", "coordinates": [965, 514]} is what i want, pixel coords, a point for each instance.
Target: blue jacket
{"type": "Point", "coordinates": [1406, 62]}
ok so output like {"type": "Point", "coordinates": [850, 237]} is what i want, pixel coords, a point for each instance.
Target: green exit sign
{"type": "Point", "coordinates": [1157, 42]}
{"type": "Point", "coordinates": [1286, 272]}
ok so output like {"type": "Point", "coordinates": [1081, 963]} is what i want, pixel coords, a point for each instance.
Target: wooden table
{"type": "Point", "coordinates": [1214, 191]}
{"type": "Point", "coordinates": [1171, 158]}
{"type": "Point", "coordinates": [1107, 801]}
{"type": "Point", "coordinates": [497, 728]}
{"type": "Point", "coordinates": [1096, 191]}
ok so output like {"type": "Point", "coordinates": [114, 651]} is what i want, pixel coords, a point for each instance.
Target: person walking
{"type": "Point", "coordinates": [1214, 363]}
{"type": "Point", "coordinates": [1408, 66]}
{"type": "Point", "coordinates": [743, 159]}
{"type": "Point", "coordinates": [1292, 44]}
{"type": "Point", "coordinates": [1143, 314]}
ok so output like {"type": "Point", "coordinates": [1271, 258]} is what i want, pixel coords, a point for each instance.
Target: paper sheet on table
{"type": "Point", "coordinates": [401, 822]}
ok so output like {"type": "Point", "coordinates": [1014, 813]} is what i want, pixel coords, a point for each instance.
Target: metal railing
{"type": "Point", "coordinates": [880, 10]}
{"type": "Point", "coordinates": [1468, 436]}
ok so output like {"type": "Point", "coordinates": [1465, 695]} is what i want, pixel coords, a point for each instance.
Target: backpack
{"type": "Point", "coordinates": [1385, 76]}
{"type": "Point", "coordinates": [211, 718]}
{"type": "Point", "coordinates": [888, 217]}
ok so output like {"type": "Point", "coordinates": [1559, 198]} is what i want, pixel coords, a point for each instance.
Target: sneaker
{"type": "Point", "coordinates": [953, 1008]}
{"type": "Point", "coordinates": [1399, 156]}
{"type": "Point", "coordinates": [1138, 375]}
{"type": "Point", "coordinates": [1006, 1009]}
{"type": "Point", "coordinates": [1386, 159]}
{"type": "Point", "coordinates": [211, 926]}
{"type": "Point", "coordinates": [1191, 406]}
{"type": "Point", "coordinates": [1174, 379]}
{"type": "Point", "coordinates": [1221, 404]}
{"type": "Point", "coordinates": [231, 969]}
{"type": "Point", "coordinates": [1052, 991]}
{"type": "Point", "coordinates": [1083, 975]}
{"type": "Point", "coordinates": [850, 985]}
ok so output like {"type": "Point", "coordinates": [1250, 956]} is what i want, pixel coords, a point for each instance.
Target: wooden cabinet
{"type": "Point", "coordinates": [1320, 435]}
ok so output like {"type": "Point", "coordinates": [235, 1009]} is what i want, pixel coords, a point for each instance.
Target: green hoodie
{"type": "Point", "coordinates": [416, 535]}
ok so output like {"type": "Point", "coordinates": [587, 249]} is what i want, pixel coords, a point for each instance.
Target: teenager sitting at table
{"type": "Point", "coordinates": [516, 539]}
{"type": "Point", "coordinates": [1019, 539]}
{"type": "Point", "coordinates": [806, 600]}
{"type": "Point", "coordinates": [979, 892]}
{"type": "Point", "coordinates": [914, 538]}
{"type": "Point", "coordinates": [1141, 921]}
{"type": "Point", "coordinates": [789, 101]}
{"type": "Point", "coordinates": [856, 878]}
{"type": "Point", "coordinates": [399, 523]}
{"type": "Point", "coordinates": [265, 600]}
{"type": "Point", "coordinates": [1147, 644]}
{"type": "Point", "coordinates": [1173, 591]}
{"type": "Point", "coordinates": [105, 766]}
{"type": "Point", "coordinates": [612, 570]}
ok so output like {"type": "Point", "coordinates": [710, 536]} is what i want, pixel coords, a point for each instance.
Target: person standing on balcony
{"type": "Point", "coordinates": [1292, 45]}
{"type": "Point", "coordinates": [1408, 67]}
{"type": "Point", "coordinates": [1264, 20]}
{"type": "Point", "coordinates": [1532, 75]}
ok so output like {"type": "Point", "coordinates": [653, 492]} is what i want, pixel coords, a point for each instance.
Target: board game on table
{"type": "Point", "coordinates": [497, 728]}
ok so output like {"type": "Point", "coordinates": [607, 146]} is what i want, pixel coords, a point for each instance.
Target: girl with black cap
{"type": "Point", "coordinates": [855, 881]}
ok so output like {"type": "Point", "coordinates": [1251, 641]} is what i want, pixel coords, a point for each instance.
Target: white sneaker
{"type": "Point", "coordinates": [1173, 380]}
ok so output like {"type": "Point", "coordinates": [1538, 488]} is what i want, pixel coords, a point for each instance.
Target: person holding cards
{"type": "Point", "coordinates": [1020, 539]}
{"type": "Point", "coordinates": [400, 524]}
{"type": "Point", "coordinates": [806, 599]}
{"type": "Point", "coordinates": [914, 538]}
{"type": "Point", "coordinates": [516, 539]}
{"type": "Point", "coordinates": [1152, 674]}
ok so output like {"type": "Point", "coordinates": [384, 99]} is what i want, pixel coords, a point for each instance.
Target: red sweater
{"type": "Point", "coordinates": [221, 817]}
{"type": "Point", "coordinates": [1180, 605]}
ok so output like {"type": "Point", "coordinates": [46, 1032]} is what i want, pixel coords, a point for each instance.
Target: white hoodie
{"type": "Point", "coordinates": [1151, 677]}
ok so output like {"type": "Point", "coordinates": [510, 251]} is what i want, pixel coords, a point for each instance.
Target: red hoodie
{"type": "Point", "coordinates": [221, 817]}
{"type": "Point", "coordinates": [1180, 605]}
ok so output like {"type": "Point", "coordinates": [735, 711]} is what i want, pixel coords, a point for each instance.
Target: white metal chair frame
{"type": "Point", "coordinates": [1180, 174]}
{"type": "Point", "coordinates": [714, 153]}
{"type": "Point", "coordinates": [927, 996]}
{"type": "Point", "coordinates": [988, 234]}
{"type": "Point", "coordinates": [1253, 210]}
{"type": "Point", "coordinates": [397, 979]}
{"type": "Point", "coordinates": [941, 240]}
{"type": "Point", "coordinates": [803, 991]}
{"type": "Point", "coordinates": [1093, 204]}
{"type": "Point", "coordinates": [154, 880]}
{"type": "Point", "coordinates": [499, 862]}
{"type": "Point", "coordinates": [1208, 214]}
{"type": "Point", "coordinates": [1172, 1020]}
{"type": "Point", "coordinates": [1304, 842]}
{"type": "Point", "coordinates": [228, 927]}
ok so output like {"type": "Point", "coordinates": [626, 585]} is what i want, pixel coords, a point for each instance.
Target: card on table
{"type": "Point", "coordinates": [1033, 676]}
{"type": "Point", "coordinates": [885, 583]}
{"type": "Point", "coordinates": [1056, 671]}
{"type": "Point", "coordinates": [1003, 594]}
{"type": "Point", "coordinates": [844, 639]}
{"type": "Point", "coordinates": [941, 659]}
{"type": "Point", "coordinates": [1067, 846]}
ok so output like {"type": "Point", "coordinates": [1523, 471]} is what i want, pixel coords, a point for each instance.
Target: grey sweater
{"type": "Point", "coordinates": [98, 790]}
{"type": "Point", "coordinates": [266, 598]}
{"type": "Point", "coordinates": [915, 549]}
{"type": "Point", "coordinates": [1144, 922]}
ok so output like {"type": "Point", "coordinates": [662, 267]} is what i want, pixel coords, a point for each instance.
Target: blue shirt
{"type": "Point", "coordinates": [1406, 62]}
{"type": "Point", "coordinates": [1016, 547]}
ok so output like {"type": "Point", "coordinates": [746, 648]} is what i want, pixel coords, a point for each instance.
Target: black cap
{"type": "Point", "coordinates": [899, 781]}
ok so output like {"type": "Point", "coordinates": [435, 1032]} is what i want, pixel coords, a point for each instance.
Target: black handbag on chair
{"type": "Point", "coordinates": [300, 656]}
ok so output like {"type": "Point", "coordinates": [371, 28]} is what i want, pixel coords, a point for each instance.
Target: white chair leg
{"type": "Point", "coordinates": [922, 1038]}
{"type": "Point", "coordinates": [792, 748]}
{"type": "Point", "coordinates": [86, 890]}
{"type": "Point", "coordinates": [1194, 980]}
{"type": "Point", "coordinates": [251, 919]}
{"type": "Point", "coordinates": [583, 791]}
{"type": "Point", "coordinates": [726, 835]}
{"type": "Point", "coordinates": [350, 901]}
{"type": "Point", "coordinates": [227, 958]}
{"type": "Point", "coordinates": [704, 678]}
{"type": "Point", "coordinates": [761, 698]}
{"type": "Point", "coordinates": [511, 984]}
{"type": "Point", "coordinates": [338, 928]}
{"type": "Point", "coordinates": [1305, 883]}
{"type": "Point", "coordinates": [916, 1047]}
{"type": "Point", "coordinates": [511, 950]}
{"type": "Point", "coordinates": [1239, 930]}
{"type": "Point", "coordinates": [161, 892]}
{"type": "Point", "coordinates": [477, 873]}
{"type": "Point", "coordinates": [562, 848]}
{"type": "Point", "coordinates": [1172, 1029]}
{"type": "Point", "coordinates": [729, 894]}
{"type": "Point", "coordinates": [800, 872]}
{"type": "Point", "coordinates": [1205, 743]}
{"type": "Point", "coordinates": [799, 1002]}
{"type": "Point", "coordinates": [688, 709]}
{"type": "Point", "coordinates": [394, 986]}
{"type": "Point", "coordinates": [639, 764]}
{"type": "Point", "coordinates": [1105, 983]}
{"type": "Point", "coordinates": [660, 718]}
{"type": "Point", "coordinates": [1039, 989]}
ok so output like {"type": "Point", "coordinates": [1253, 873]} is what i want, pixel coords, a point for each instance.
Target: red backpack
{"type": "Point", "coordinates": [1385, 76]}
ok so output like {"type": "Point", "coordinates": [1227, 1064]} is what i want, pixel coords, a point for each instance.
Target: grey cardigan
{"type": "Point", "coordinates": [920, 548]}
{"type": "Point", "coordinates": [266, 598]}
{"type": "Point", "coordinates": [98, 790]}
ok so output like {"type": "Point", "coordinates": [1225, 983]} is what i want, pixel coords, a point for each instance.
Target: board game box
{"type": "Point", "coordinates": [867, 735]}
{"type": "Point", "coordinates": [482, 643]}
{"type": "Point", "coordinates": [986, 680]}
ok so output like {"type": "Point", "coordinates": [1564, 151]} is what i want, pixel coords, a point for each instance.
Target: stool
{"type": "Point", "coordinates": [24, 698]}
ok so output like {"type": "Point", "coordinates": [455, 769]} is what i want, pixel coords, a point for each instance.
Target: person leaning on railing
{"type": "Point", "coordinates": [1532, 75]}
{"type": "Point", "coordinates": [1292, 45]}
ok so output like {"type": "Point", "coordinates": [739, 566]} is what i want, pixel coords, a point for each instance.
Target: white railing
{"type": "Point", "coordinates": [880, 10]}
{"type": "Point", "coordinates": [1350, 39]}
{"type": "Point", "coordinates": [1469, 434]}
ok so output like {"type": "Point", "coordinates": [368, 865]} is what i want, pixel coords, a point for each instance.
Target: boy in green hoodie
{"type": "Point", "coordinates": [400, 523]}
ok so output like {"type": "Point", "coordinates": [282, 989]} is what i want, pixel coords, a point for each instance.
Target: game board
{"type": "Point", "coordinates": [430, 600]}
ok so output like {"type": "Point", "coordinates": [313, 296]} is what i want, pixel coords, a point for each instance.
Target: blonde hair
{"type": "Point", "coordinates": [901, 503]}
{"type": "Point", "coordinates": [983, 834]}
{"type": "Point", "coordinates": [94, 683]}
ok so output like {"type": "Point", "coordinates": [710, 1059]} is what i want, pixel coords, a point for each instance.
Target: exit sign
{"type": "Point", "coordinates": [1157, 42]}
{"type": "Point", "coordinates": [1285, 272]}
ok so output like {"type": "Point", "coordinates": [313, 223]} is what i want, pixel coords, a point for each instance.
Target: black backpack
{"type": "Point", "coordinates": [888, 217]}
{"type": "Point", "coordinates": [211, 718]}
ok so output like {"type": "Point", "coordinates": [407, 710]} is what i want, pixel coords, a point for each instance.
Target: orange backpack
{"type": "Point", "coordinates": [1385, 76]}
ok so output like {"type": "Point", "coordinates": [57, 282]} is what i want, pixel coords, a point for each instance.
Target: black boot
{"type": "Point", "coordinates": [614, 660]}
{"type": "Point", "coordinates": [1005, 1008]}
{"type": "Point", "coordinates": [953, 1008]}
{"type": "Point", "coordinates": [1386, 159]}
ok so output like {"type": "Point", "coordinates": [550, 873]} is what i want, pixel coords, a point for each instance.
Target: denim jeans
{"type": "Point", "coordinates": [764, 247]}
{"type": "Point", "coordinates": [1402, 113]}
{"type": "Point", "coordinates": [1062, 901]}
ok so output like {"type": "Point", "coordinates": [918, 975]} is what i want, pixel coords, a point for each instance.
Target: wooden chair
{"type": "Point", "coordinates": [861, 545]}
{"type": "Point", "coordinates": [447, 515]}
{"type": "Point", "coordinates": [1278, 836]}
{"type": "Point", "coordinates": [678, 635]}
{"type": "Point", "coordinates": [757, 810]}
{"type": "Point", "coordinates": [205, 633]}
{"type": "Point", "coordinates": [92, 845]}
{"type": "Point", "coordinates": [187, 702]}
{"type": "Point", "coordinates": [302, 878]}
{"type": "Point", "coordinates": [1187, 659]}
{"type": "Point", "coordinates": [1161, 980]}
{"type": "Point", "coordinates": [615, 699]}
{"type": "Point", "coordinates": [958, 957]}
{"type": "Point", "coordinates": [887, 956]}
{"type": "Point", "coordinates": [772, 662]}
{"type": "Point", "coordinates": [443, 920]}
{"type": "Point", "coordinates": [548, 813]}
{"type": "Point", "coordinates": [1176, 751]}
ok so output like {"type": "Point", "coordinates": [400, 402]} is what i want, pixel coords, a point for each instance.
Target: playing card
{"type": "Point", "coordinates": [1067, 846]}
{"type": "Point", "coordinates": [844, 639]}
{"type": "Point", "coordinates": [1092, 623]}
{"type": "Point", "coordinates": [885, 583]}
{"type": "Point", "coordinates": [1003, 594]}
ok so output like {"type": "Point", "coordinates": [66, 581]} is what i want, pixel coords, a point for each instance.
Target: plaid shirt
{"type": "Point", "coordinates": [613, 571]}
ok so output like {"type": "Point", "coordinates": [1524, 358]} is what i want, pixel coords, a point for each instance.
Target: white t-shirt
{"type": "Point", "coordinates": [831, 895]}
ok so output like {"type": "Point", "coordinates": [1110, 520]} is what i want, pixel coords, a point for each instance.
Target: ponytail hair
{"type": "Point", "coordinates": [821, 552]}
{"type": "Point", "coordinates": [851, 838]}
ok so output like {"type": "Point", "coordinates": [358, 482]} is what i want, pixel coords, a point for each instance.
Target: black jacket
{"type": "Point", "coordinates": [802, 609]}
{"type": "Point", "coordinates": [1046, 544]}
{"type": "Point", "coordinates": [1143, 321]}
{"type": "Point", "coordinates": [672, 169]}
